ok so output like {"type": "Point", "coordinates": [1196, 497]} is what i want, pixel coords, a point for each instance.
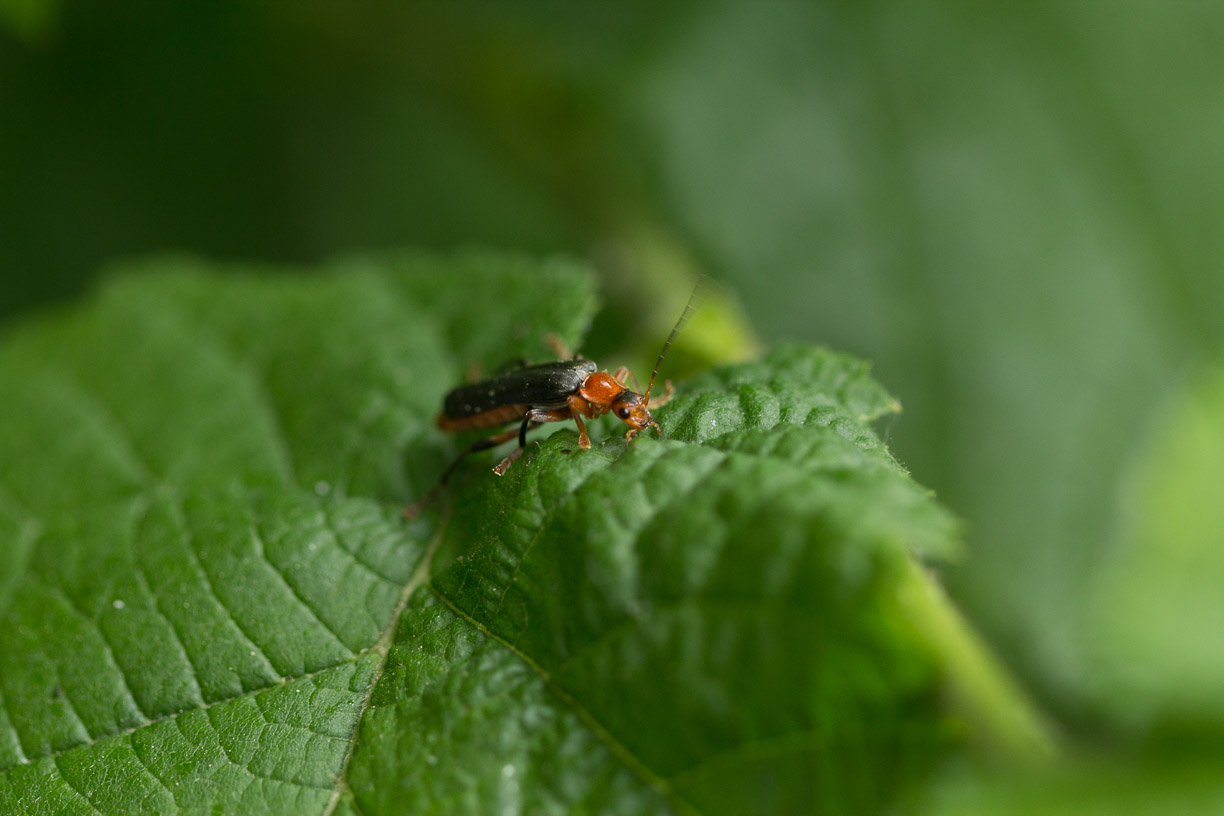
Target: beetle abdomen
{"type": "Point", "coordinates": [485, 419]}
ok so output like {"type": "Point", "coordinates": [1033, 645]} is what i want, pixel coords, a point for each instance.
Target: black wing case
{"type": "Point", "coordinates": [539, 386]}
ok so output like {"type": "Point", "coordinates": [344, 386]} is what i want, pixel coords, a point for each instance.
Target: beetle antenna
{"type": "Point", "coordinates": [689, 308]}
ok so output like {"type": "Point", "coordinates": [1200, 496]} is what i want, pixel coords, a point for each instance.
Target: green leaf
{"type": "Point", "coordinates": [1187, 784]}
{"type": "Point", "coordinates": [1157, 608]}
{"type": "Point", "coordinates": [31, 20]}
{"type": "Point", "coordinates": [210, 603]}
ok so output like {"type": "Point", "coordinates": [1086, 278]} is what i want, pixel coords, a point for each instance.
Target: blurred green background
{"type": "Point", "coordinates": [1015, 212]}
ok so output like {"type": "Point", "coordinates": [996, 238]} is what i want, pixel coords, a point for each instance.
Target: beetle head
{"type": "Point", "coordinates": [633, 410]}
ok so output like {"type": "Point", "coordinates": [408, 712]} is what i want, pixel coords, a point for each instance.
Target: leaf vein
{"type": "Point", "coordinates": [257, 539]}
{"type": "Point", "coordinates": [208, 717]}
{"type": "Point", "coordinates": [198, 694]}
{"type": "Point", "coordinates": [615, 746]}
{"type": "Point", "coordinates": [265, 399]}
{"type": "Point", "coordinates": [549, 514]}
{"type": "Point", "coordinates": [109, 423]}
{"type": "Point", "coordinates": [173, 717]}
{"type": "Point", "coordinates": [420, 577]}
{"type": "Point", "coordinates": [181, 519]}
{"type": "Point", "coordinates": [22, 759]}
{"type": "Point", "coordinates": [253, 375]}
{"type": "Point", "coordinates": [775, 746]}
{"type": "Point", "coordinates": [78, 791]}
{"type": "Point", "coordinates": [106, 645]}
{"type": "Point", "coordinates": [149, 770]}
{"type": "Point", "coordinates": [357, 559]}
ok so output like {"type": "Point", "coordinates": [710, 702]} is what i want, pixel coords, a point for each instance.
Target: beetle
{"type": "Point", "coordinates": [568, 388]}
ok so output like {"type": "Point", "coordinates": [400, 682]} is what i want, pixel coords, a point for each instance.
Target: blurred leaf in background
{"type": "Point", "coordinates": [29, 20]}
{"type": "Point", "coordinates": [974, 200]}
{"type": "Point", "coordinates": [1161, 591]}
{"type": "Point", "coordinates": [1012, 211]}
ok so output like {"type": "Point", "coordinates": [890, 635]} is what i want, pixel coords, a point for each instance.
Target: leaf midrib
{"type": "Point", "coordinates": [419, 578]}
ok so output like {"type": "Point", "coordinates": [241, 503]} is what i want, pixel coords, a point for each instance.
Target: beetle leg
{"type": "Point", "coordinates": [414, 509]}
{"type": "Point", "coordinates": [534, 419]}
{"type": "Point", "coordinates": [560, 349]}
{"type": "Point", "coordinates": [584, 441]}
{"type": "Point", "coordinates": [624, 376]}
{"type": "Point", "coordinates": [579, 407]}
{"type": "Point", "coordinates": [501, 467]}
{"type": "Point", "coordinates": [668, 392]}
{"type": "Point", "coordinates": [632, 433]}
{"type": "Point", "coordinates": [527, 425]}
{"type": "Point", "coordinates": [541, 415]}
{"type": "Point", "coordinates": [529, 422]}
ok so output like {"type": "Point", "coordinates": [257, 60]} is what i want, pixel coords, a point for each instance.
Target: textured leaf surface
{"type": "Point", "coordinates": [209, 602]}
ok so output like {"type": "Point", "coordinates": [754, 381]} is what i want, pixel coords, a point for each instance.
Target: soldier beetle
{"type": "Point", "coordinates": [569, 388]}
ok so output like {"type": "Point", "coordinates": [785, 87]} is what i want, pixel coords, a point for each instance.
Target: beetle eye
{"type": "Point", "coordinates": [623, 412]}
